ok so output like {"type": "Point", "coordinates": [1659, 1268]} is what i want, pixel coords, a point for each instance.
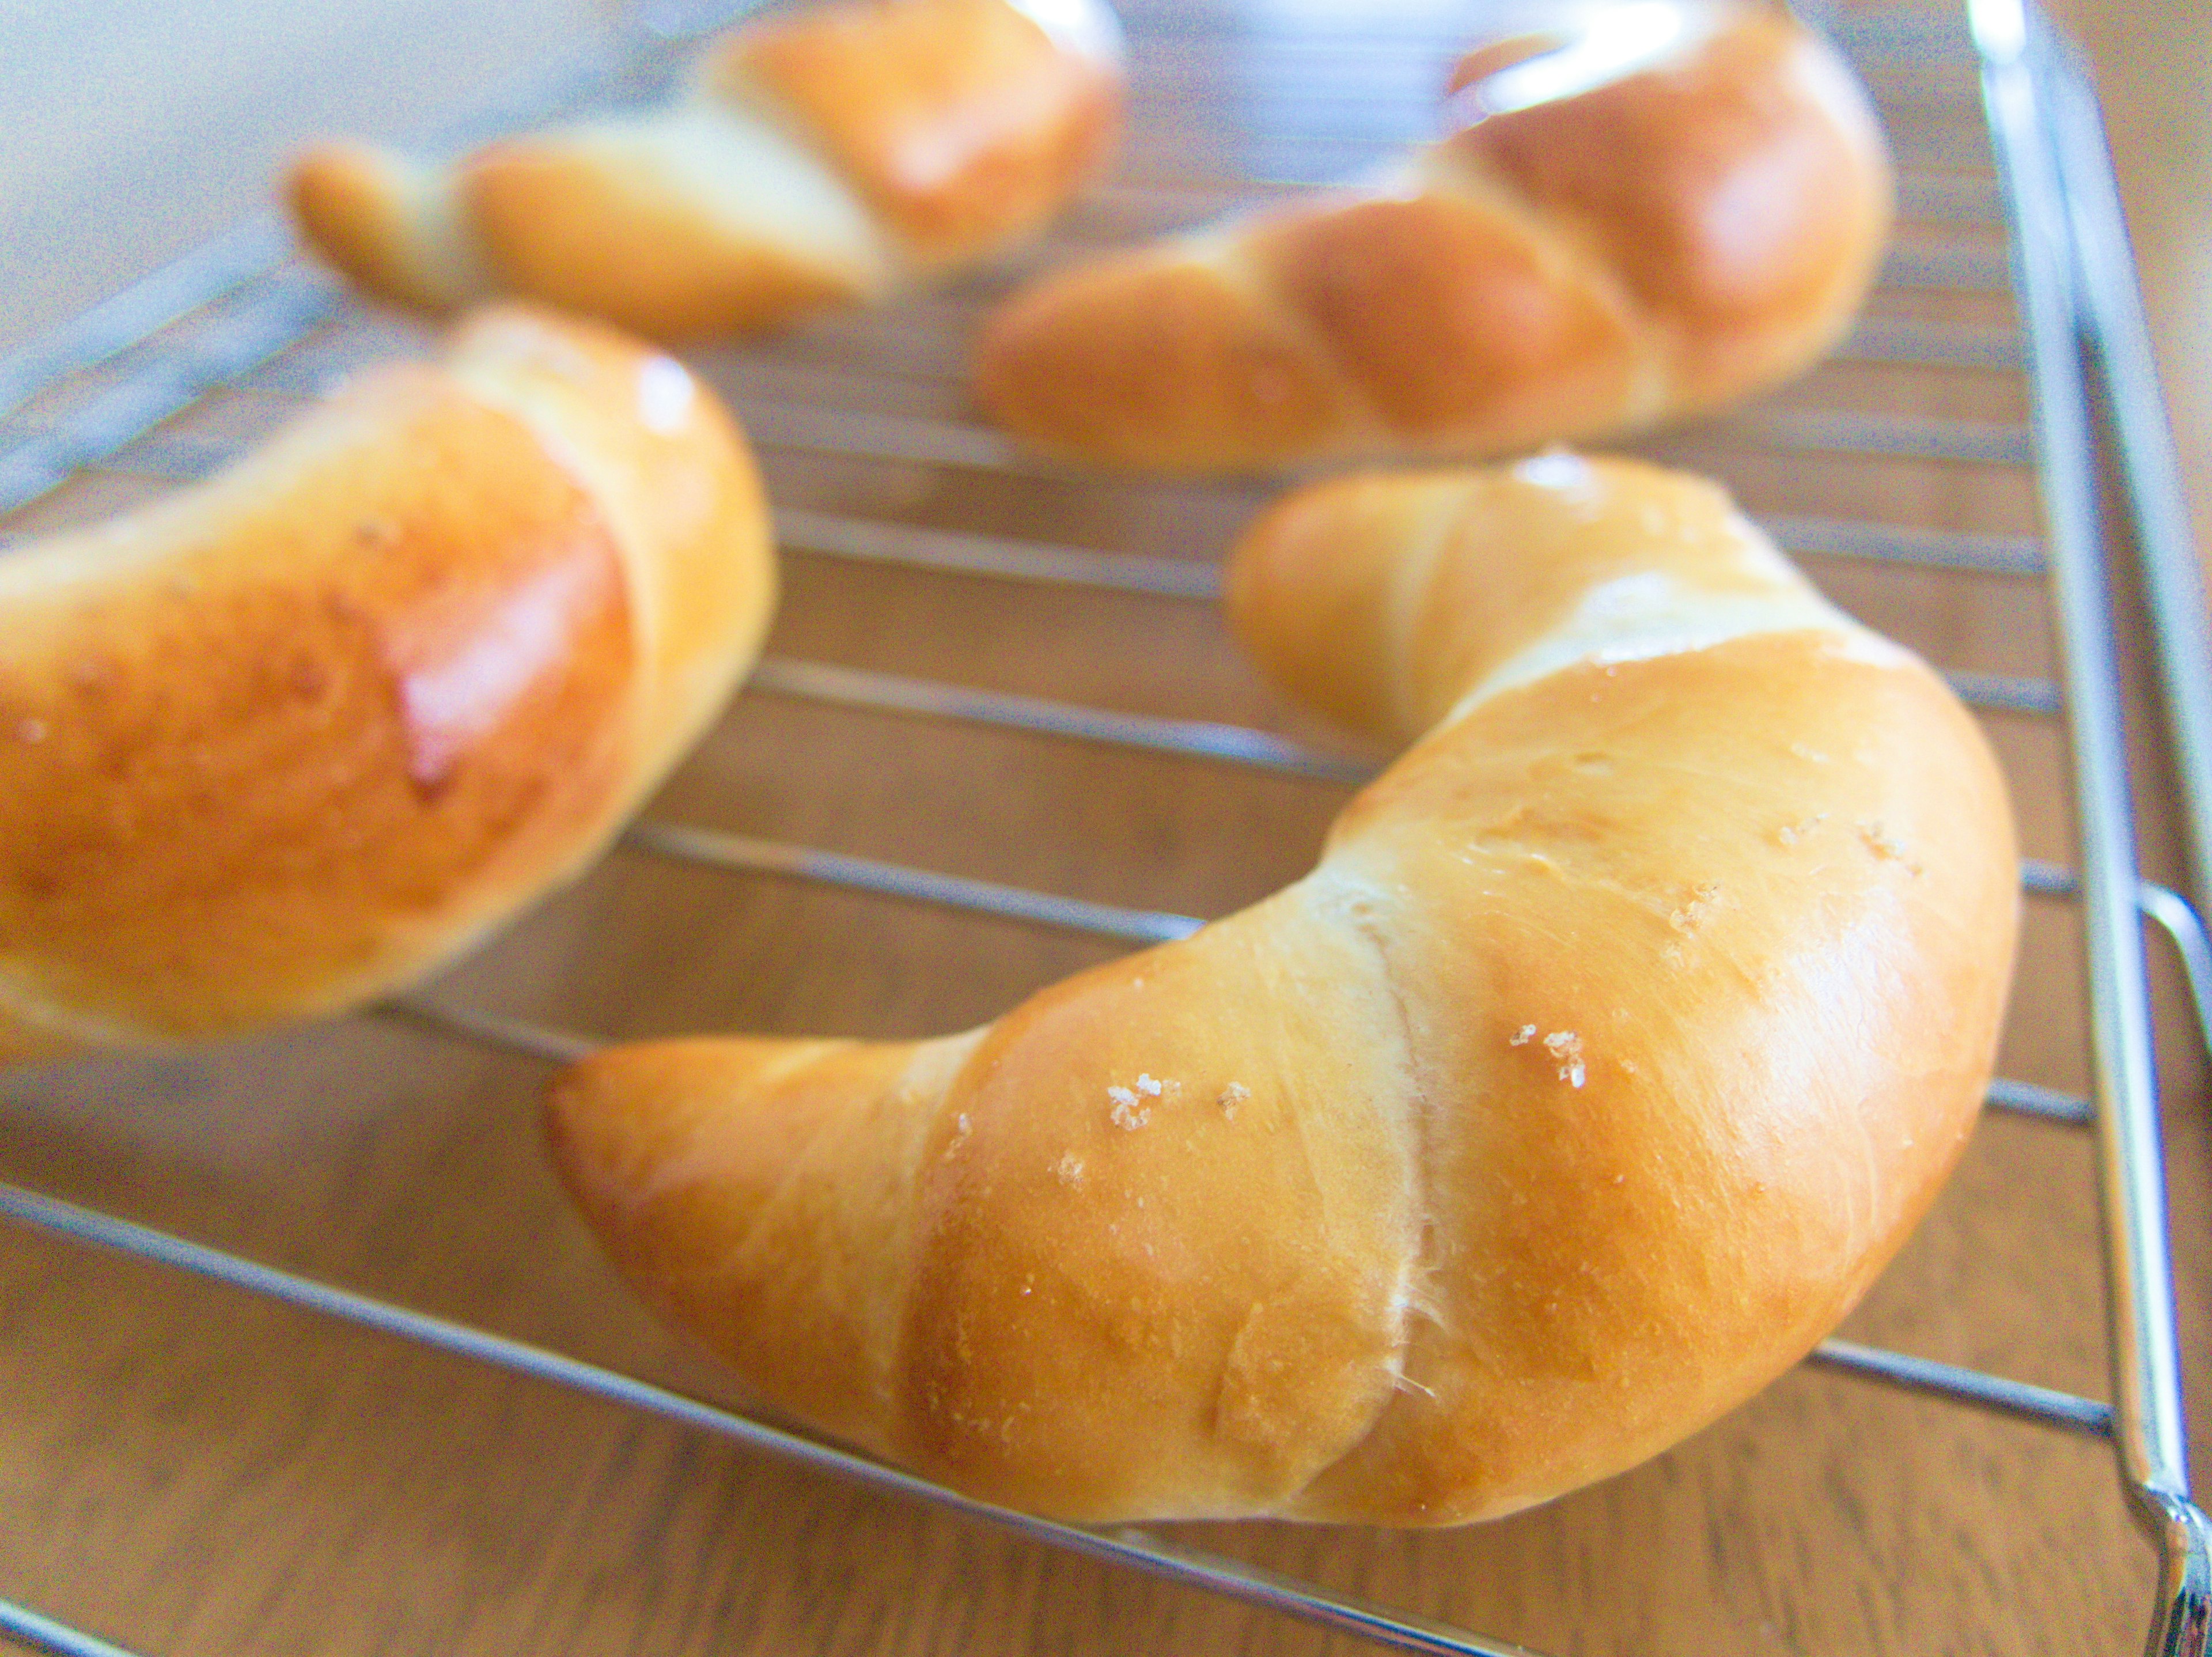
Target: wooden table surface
{"type": "Point", "coordinates": [188, 1469]}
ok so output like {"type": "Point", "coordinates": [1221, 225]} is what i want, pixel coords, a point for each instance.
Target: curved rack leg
{"type": "Point", "coordinates": [2184, 1627]}
{"type": "Point", "coordinates": [2146, 1366]}
{"type": "Point", "coordinates": [2178, 918]}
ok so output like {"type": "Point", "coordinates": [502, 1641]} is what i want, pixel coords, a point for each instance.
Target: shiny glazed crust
{"type": "Point", "coordinates": [1692, 229]}
{"type": "Point", "coordinates": [285, 740]}
{"type": "Point", "coordinates": [1628, 1024]}
{"type": "Point", "coordinates": [963, 123]}
{"type": "Point", "coordinates": [820, 158]}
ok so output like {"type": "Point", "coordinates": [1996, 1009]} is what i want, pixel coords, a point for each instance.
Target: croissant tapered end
{"type": "Point", "coordinates": [758, 1194]}
{"type": "Point", "coordinates": [389, 224]}
{"type": "Point", "coordinates": [1628, 1023]}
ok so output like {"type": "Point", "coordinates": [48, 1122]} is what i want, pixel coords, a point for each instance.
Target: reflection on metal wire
{"type": "Point", "coordinates": [249, 302]}
{"type": "Point", "coordinates": [2148, 1427]}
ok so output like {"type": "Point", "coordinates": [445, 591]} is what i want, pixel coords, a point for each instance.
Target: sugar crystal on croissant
{"type": "Point", "coordinates": [1627, 1025]}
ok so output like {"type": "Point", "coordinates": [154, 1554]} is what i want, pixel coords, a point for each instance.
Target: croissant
{"type": "Point", "coordinates": [818, 160]}
{"type": "Point", "coordinates": [281, 740]}
{"type": "Point", "coordinates": [1671, 206]}
{"type": "Point", "coordinates": [1629, 1022]}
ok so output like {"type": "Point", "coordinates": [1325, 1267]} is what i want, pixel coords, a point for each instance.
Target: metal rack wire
{"type": "Point", "coordinates": [242, 314]}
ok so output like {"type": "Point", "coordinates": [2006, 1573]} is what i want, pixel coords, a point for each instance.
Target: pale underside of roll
{"type": "Point", "coordinates": [1656, 209]}
{"type": "Point", "coordinates": [819, 158]}
{"type": "Point", "coordinates": [281, 740]}
{"type": "Point", "coordinates": [1627, 1025]}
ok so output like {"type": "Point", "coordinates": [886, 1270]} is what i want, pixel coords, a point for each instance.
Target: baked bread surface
{"type": "Point", "coordinates": [1606, 239]}
{"type": "Point", "coordinates": [281, 740]}
{"type": "Point", "coordinates": [820, 157]}
{"type": "Point", "coordinates": [1627, 1025]}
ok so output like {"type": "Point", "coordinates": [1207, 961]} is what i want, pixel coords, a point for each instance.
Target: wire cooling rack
{"type": "Point", "coordinates": [148, 387]}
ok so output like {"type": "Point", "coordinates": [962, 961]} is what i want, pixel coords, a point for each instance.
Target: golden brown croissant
{"type": "Point", "coordinates": [819, 159]}
{"type": "Point", "coordinates": [1629, 1022]}
{"type": "Point", "coordinates": [279, 741]}
{"type": "Point", "coordinates": [1677, 204]}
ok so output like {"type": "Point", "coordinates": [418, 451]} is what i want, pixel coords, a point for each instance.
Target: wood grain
{"type": "Point", "coordinates": [186, 1470]}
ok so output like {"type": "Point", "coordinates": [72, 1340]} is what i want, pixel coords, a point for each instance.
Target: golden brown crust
{"type": "Point", "coordinates": [1637, 1036]}
{"type": "Point", "coordinates": [617, 237]}
{"type": "Point", "coordinates": [820, 158]}
{"type": "Point", "coordinates": [1445, 317]}
{"type": "Point", "coordinates": [1409, 561]}
{"type": "Point", "coordinates": [961, 122]}
{"type": "Point", "coordinates": [1178, 338]}
{"type": "Point", "coordinates": [381, 224]}
{"type": "Point", "coordinates": [1736, 197]}
{"type": "Point", "coordinates": [346, 210]}
{"type": "Point", "coordinates": [1628, 1023]}
{"type": "Point", "coordinates": [1694, 229]}
{"type": "Point", "coordinates": [1182, 1301]}
{"type": "Point", "coordinates": [284, 739]}
{"type": "Point", "coordinates": [819, 1175]}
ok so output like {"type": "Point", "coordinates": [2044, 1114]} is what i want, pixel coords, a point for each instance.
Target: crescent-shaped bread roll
{"type": "Point", "coordinates": [1628, 1024]}
{"type": "Point", "coordinates": [280, 742]}
{"type": "Point", "coordinates": [819, 159]}
{"type": "Point", "coordinates": [1667, 207]}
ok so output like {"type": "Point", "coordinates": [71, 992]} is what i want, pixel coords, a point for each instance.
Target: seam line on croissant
{"type": "Point", "coordinates": [1409, 599]}
{"type": "Point", "coordinates": [448, 255]}
{"type": "Point", "coordinates": [1571, 253]}
{"type": "Point", "coordinates": [887, 1384]}
{"type": "Point", "coordinates": [641, 593]}
{"type": "Point", "coordinates": [785, 1066]}
{"type": "Point", "coordinates": [1226, 256]}
{"type": "Point", "coordinates": [1643, 617]}
{"type": "Point", "coordinates": [1417, 1265]}
{"type": "Point", "coordinates": [736, 95]}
